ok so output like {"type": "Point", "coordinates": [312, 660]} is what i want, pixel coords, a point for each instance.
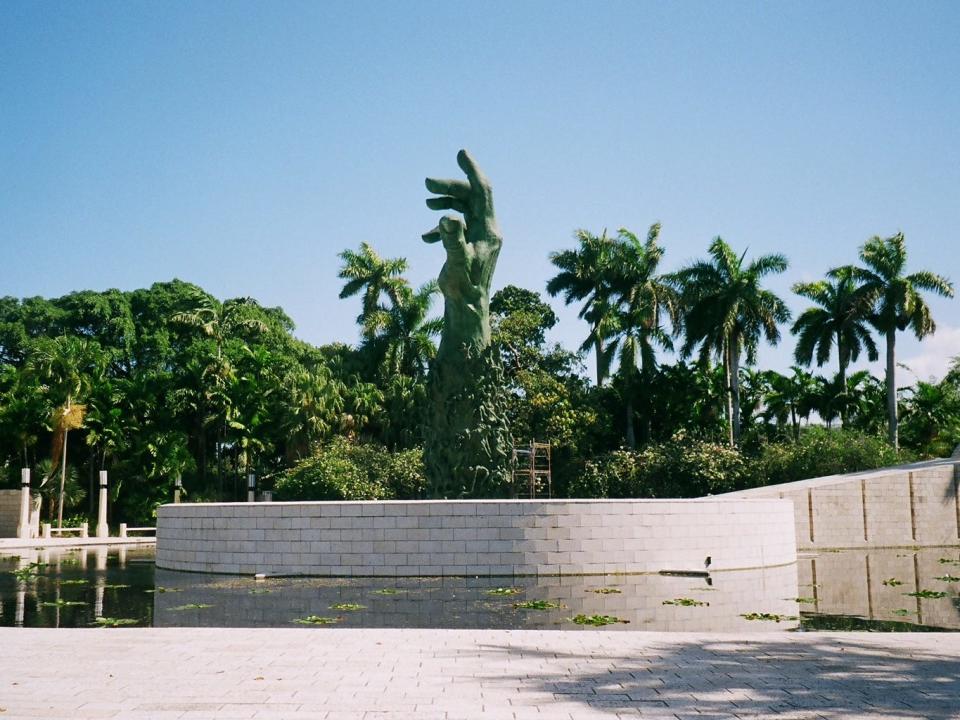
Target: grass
{"type": "Point", "coordinates": [774, 617]}
{"type": "Point", "coordinates": [597, 620]}
{"type": "Point", "coordinates": [805, 600]}
{"type": "Point", "coordinates": [388, 591]}
{"type": "Point", "coordinates": [504, 591]}
{"type": "Point", "coordinates": [948, 561]}
{"type": "Point", "coordinates": [537, 605]}
{"type": "Point", "coordinates": [903, 612]}
{"type": "Point", "coordinates": [686, 602]}
{"type": "Point", "coordinates": [605, 590]}
{"type": "Point", "coordinates": [892, 582]}
{"type": "Point", "coordinates": [317, 620]}
{"type": "Point", "coordinates": [948, 579]}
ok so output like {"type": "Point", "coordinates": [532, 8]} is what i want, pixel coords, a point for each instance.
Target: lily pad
{"type": "Point", "coordinates": [597, 620]}
{"type": "Point", "coordinates": [114, 622]}
{"type": "Point", "coordinates": [774, 617]}
{"type": "Point", "coordinates": [605, 590]}
{"type": "Point", "coordinates": [892, 582]}
{"type": "Point", "coordinates": [948, 579]}
{"type": "Point", "coordinates": [504, 591]}
{"type": "Point", "coordinates": [536, 605]}
{"type": "Point", "coordinates": [349, 607]}
{"type": "Point", "coordinates": [928, 594]}
{"type": "Point", "coordinates": [317, 620]}
{"type": "Point", "coordinates": [686, 602]}
{"type": "Point", "coordinates": [192, 606]}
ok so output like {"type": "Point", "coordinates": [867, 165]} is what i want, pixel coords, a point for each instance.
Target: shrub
{"type": "Point", "coordinates": [682, 467]}
{"type": "Point", "coordinates": [821, 451]}
{"type": "Point", "coordinates": [343, 470]}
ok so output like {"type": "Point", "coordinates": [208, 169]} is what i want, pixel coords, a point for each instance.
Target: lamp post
{"type": "Point", "coordinates": [251, 487]}
{"type": "Point", "coordinates": [24, 529]}
{"type": "Point", "coordinates": [103, 530]}
{"type": "Point", "coordinates": [177, 488]}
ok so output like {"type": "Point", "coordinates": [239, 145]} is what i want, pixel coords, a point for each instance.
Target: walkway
{"type": "Point", "coordinates": [336, 674]}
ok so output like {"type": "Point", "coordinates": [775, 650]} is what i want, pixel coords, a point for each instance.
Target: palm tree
{"type": "Point", "coordinates": [727, 310]}
{"type": "Point", "coordinates": [899, 304]}
{"type": "Point", "coordinates": [584, 274]}
{"type": "Point", "coordinates": [841, 319]}
{"type": "Point", "coordinates": [69, 366]}
{"type": "Point", "coordinates": [400, 338]}
{"type": "Point", "coordinates": [373, 276]}
{"type": "Point", "coordinates": [643, 300]}
{"type": "Point", "coordinates": [791, 395]}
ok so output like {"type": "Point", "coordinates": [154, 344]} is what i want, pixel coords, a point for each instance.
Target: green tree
{"type": "Point", "coordinates": [726, 312]}
{"type": "Point", "coordinates": [644, 302]}
{"type": "Point", "coordinates": [840, 321]}
{"type": "Point", "coordinates": [584, 274]}
{"type": "Point", "coordinates": [899, 304]}
{"type": "Point", "coordinates": [372, 276]}
{"type": "Point", "coordinates": [399, 339]}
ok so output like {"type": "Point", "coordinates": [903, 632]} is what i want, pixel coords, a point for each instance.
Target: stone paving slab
{"type": "Point", "coordinates": [338, 674]}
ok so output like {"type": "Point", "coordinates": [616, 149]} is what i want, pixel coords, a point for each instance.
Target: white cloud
{"type": "Point", "coordinates": [938, 351]}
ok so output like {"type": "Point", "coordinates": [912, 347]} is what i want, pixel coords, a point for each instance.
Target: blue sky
{"type": "Point", "coordinates": [241, 146]}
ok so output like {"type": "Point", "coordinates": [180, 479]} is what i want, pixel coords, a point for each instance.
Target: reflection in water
{"type": "Point", "coordinates": [848, 590]}
{"type": "Point", "coordinates": [875, 584]}
{"type": "Point", "coordinates": [480, 603]}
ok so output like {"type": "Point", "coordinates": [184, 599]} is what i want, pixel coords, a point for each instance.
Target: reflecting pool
{"type": "Point", "coordinates": [889, 589]}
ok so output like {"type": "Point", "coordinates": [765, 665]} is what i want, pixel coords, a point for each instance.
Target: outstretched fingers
{"type": "Point", "coordinates": [455, 188]}
{"type": "Point", "coordinates": [447, 203]}
{"type": "Point", "coordinates": [478, 181]}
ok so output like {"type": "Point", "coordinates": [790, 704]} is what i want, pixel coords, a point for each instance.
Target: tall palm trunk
{"type": "Point", "coordinates": [63, 469]}
{"type": "Point", "coordinates": [728, 391]}
{"type": "Point", "coordinates": [735, 388]}
{"type": "Point", "coordinates": [598, 344]}
{"type": "Point", "coordinates": [842, 380]}
{"type": "Point", "coordinates": [892, 427]}
{"type": "Point", "coordinates": [631, 435]}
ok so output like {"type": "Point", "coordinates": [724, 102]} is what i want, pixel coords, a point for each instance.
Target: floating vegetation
{"type": "Point", "coordinates": [903, 612]}
{"type": "Point", "coordinates": [806, 600]}
{"type": "Point", "coordinates": [948, 579]}
{"type": "Point", "coordinates": [597, 620]}
{"type": "Point", "coordinates": [28, 572]}
{"type": "Point", "coordinates": [60, 602]}
{"type": "Point", "coordinates": [686, 602]}
{"type": "Point", "coordinates": [928, 594]}
{"type": "Point", "coordinates": [192, 606]}
{"type": "Point", "coordinates": [114, 622]}
{"type": "Point", "coordinates": [115, 587]}
{"type": "Point", "coordinates": [349, 607]}
{"type": "Point", "coordinates": [317, 620]}
{"type": "Point", "coordinates": [892, 582]}
{"type": "Point", "coordinates": [767, 616]}
{"type": "Point", "coordinates": [605, 590]}
{"type": "Point", "coordinates": [948, 561]}
{"type": "Point", "coordinates": [159, 589]}
{"type": "Point", "coordinates": [74, 582]}
{"type": "Point", "coordinates": [537, 605]}
{"type": "Point", "coordinates": [388, 591]}
{"type": "Point", "coordinates": [259, 591]}
{"type": "Point", "coordinates": [504, 591]}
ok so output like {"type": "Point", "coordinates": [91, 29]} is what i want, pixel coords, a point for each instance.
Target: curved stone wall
{"type": "Point", "coordinates": [484, 537]}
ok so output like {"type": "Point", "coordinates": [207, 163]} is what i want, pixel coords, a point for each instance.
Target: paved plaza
{"type": "Point", "coordinates": [337, 674]}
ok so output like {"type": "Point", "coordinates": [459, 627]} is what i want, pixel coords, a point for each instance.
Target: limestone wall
{"type": "Point", "coordinates": [430, 538]}
{"type": "Point", "coordinates": [10, 513]}
{"type": "Point", "coordinates": [909, 505]}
